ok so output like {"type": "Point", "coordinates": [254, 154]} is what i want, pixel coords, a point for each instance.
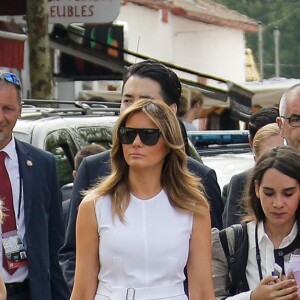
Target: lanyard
{"type": "Point", "coordinates": [279, 254]}
{"type": "Point", "coordinates": [20, 198]}
{"type": "Point", "coordinates": [258, 258]}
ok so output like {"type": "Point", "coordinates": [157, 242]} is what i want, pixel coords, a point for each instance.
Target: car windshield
{"type": "Point", "coordinates": [227, 152]}
{"type": "Point", "coordinates": [228, 164]}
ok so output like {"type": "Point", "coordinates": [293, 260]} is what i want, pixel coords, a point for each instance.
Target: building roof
{"type": "Point", "coordinates": [205, 11]}
{"type": "Point", "coordinates": [12, 31]}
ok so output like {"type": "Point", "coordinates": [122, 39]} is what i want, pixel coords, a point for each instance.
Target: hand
{"type": "Point", "coordinates": [272, 288]}
{"type": "Point", "coordinates": [291, 276]}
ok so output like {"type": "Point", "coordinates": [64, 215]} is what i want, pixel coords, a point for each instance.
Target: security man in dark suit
{"type": "Point", "coordinates": [144, 80]}
{"type": "Point", "coordinates": [32, 230]}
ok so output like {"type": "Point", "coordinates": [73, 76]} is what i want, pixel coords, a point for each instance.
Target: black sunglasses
{"type": "Point", "coordinates": [148, 136]}
{"type": "Point", "coordinates": [12, 78]}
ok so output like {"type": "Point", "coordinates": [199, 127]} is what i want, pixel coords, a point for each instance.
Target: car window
{"type": "Point", "coordinates": [228, 164]}
{"type": "Point", "coordinates": [62, 146]}
{"type": "Point", "coordinates": [226, 151]}
{"type": "Point", "coordinates": [97, 135]}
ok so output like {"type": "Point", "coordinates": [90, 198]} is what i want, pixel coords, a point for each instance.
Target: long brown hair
{"type": "Point", "coordinates": [185, 190]}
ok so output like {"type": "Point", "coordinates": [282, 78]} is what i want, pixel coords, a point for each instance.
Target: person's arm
{"type": "Point", "coordinates": [67, 254]}
{"type": "Point", "coordinates": [2, 289]}
{"type": "Point", "coordinates": [269, 288]}
{"type": "Point", "coordinates": [212, 190]}
{"type": "Point", "coordinates": [87, 256]}
{"type": "Point", "coordinates": [220, 271]}
{"type": "Point", "coordinates": [213, 194]}
{"type": "Point", "coordinates": [199, 260]}
{"type": "Point", "coordinates": [90, 170]}
{"type": "Point", "coordinates": [59, 289]}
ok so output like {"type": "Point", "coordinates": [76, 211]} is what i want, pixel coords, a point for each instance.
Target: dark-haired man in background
{"type": "Point", "coordinates": [145, 80]}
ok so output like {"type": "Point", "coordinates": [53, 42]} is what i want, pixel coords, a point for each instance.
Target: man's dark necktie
{"type": "Point", "coordinates": [9, 221]}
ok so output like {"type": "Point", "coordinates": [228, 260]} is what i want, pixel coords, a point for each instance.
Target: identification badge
{"type": "Point", "coordinates": [14, 249]}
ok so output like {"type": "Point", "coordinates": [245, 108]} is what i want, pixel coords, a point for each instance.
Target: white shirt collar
{"type": "Point", "coordinates": [262, 234]}
{"type": "Point", "coordinates": [10, 149]}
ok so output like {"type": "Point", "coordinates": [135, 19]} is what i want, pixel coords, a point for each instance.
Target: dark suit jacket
{"type": "Point", "coordinates": [96, 166]}
{"type": "Point", "coordinates": [234, 202]}
{"type": "Point", "coordinates": [43, 223]}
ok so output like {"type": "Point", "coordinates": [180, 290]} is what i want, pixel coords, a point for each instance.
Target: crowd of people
{"type": "Point", "coordinates": [145, 220]}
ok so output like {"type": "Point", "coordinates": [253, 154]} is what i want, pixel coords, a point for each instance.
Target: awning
{"type": "Point", "coordinates": [218, 91]}
{"type": "Point", "coordinates": [269, 91]}
{"type": "Point", "coordinates": [12, 40]}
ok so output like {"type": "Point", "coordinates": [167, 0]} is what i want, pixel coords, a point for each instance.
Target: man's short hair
{"type": "Point", "coordinates": [168, 80]}
{"type": "Point", "coordinates": [290, 93]}
{"type": "Point", "coordinates": [264, 116]}
{"type": "Point", "coordinates": [86, 151]}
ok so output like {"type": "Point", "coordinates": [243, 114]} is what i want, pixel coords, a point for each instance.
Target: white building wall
{"type": "Point", "coordinates": [147, 35]}
{"type": "Point", "coordinates": [210, 49]}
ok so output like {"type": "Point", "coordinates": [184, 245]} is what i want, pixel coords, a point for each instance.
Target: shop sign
{"type": "Point", "coordinates": [66, 12]}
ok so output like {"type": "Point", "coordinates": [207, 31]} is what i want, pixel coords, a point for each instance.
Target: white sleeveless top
{"type": "Point", "coordinates": [149, 249]}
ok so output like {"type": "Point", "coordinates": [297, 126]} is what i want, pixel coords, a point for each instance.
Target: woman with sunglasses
{"type": "Point", "coordinates": [139, 227]}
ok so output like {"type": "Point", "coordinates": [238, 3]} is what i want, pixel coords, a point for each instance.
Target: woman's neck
{"type": "Point", "coordinates": [277, 233]}
{"type": "Point", "coordinates": [144, 186]}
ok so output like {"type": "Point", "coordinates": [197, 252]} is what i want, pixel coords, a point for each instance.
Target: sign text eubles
{"type": "Point", "coordinates": [82, 11]}
{"type": "Point", "coordinates": [71, 11]}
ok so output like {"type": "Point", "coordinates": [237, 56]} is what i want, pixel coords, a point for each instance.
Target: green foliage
{"type": "Point", "coordinates": [284, 14]}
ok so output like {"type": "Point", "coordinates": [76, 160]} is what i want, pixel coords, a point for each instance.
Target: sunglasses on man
{"type": "Point", "coordinates": [11, 78]}
{"type": "Point", "coordinates": [148, 136]}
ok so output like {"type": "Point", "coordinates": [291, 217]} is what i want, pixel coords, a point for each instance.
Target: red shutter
{"type": "Point", "coordinates": [12, 53]}
{"type": "Point", "coordinates": [12, 40]}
